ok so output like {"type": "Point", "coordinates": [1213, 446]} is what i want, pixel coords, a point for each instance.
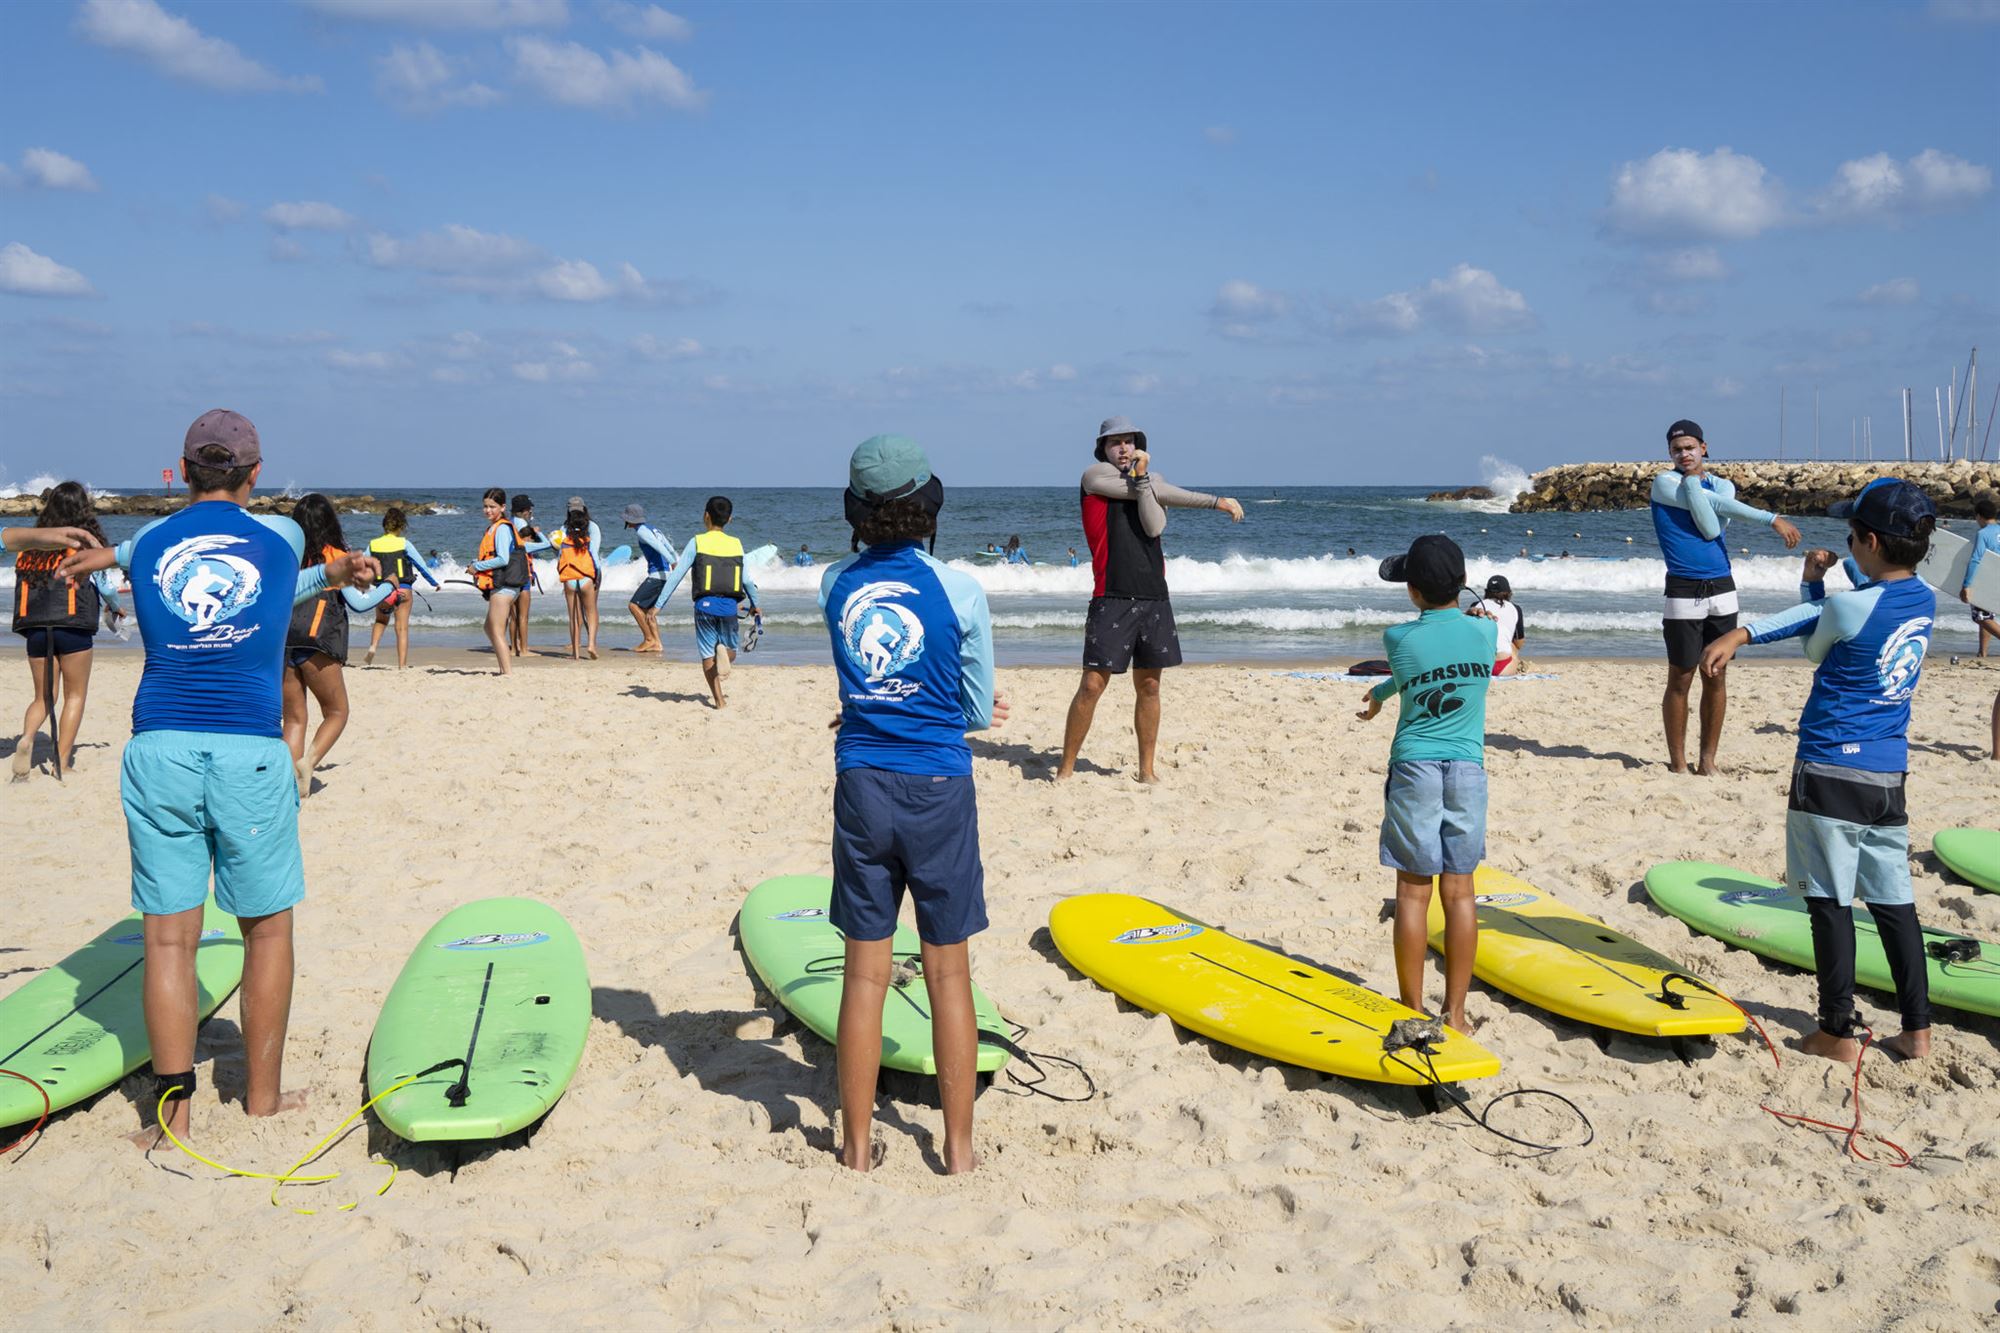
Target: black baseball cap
{"type": "Point", "coordinates": [1433, 562]}
{"type": "Point", "coordinates": [1685, 427]}
{"type": "Point", "coordinates": [1497, 586]}
{"type": "Point", "coordinates": [1887, 504]}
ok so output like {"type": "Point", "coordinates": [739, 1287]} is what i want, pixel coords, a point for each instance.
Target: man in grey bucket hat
{"type": "Point", "coordinates": [659, 555]}
{"type": "Point", "coordinates": [1131, 623]}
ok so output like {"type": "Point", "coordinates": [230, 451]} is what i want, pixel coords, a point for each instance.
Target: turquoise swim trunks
{"type": "Point", "coordinates": [713, 632]}
{"type": "Point", "coordinates": [196, 800]}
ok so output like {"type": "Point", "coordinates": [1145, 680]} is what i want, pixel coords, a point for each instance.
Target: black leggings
{"type": "Point", "coordinates": [1833, 952]}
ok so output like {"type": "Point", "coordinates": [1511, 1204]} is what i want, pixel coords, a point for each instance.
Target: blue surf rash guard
{"type": "Point", "coordinates": [653, 545]}
{"type": "Point", "coordinates": [913, 646]}
{"type": "Point", "coordinates": [213, 588]}
{"type": "Point", "coordinates": [1690, 515]}
{"type": "Point", "coordinates": [1870, 645]}
{"type": "Point", "coordinates": [1986, 540]}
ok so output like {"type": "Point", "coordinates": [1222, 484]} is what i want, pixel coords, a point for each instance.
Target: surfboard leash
{"type": "Point", "coordinates": [1851, 1131]}
{"type": "Point", "coordinates": [1482, 1118]}
{"type": "Point", "coordinates": [47, 1108]}
{"type": "Point", "coordinates": [1033, 1087]}
{"type": "Point", "coordinates": [290, 1176]}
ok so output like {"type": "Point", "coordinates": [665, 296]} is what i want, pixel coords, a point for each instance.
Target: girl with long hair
{"type": "Point", "coordinates": [499, 572]}
{"type": "Point", "coordinates": [59, 620]}
{"type": "Point", "coordinates": [400, 567]}
{"type": "Point", "coordinates": [316, 646]}
{"type": "Point", "coordinates": [580, 566]}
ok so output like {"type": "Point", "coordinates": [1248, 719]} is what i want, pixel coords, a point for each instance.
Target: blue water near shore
{"type": "Point", "coordinates": [1279, 586]}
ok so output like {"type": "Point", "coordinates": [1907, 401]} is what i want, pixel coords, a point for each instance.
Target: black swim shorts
{"type": "Point", "coordinates": [647, 595]}
{"type": "Point", "coordinates": [1123, 632]}
{"type": "Point", "coordinates": [1697, 613]}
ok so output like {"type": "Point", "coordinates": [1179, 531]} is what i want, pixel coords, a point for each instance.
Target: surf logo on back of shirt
{"type": "Point", "coordinates": [1902, 657]}
{"type": "Point", "coordinates": [881, 637]}
{"type": "Point", "coordinates": [204, 585]}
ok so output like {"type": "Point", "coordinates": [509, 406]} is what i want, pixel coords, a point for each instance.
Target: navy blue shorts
{"type": "Point", "coordinates": [893, 831]}
{"type": "Point", "coordinates": [64, 641]}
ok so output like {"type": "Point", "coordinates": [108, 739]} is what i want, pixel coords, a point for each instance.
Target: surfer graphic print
{"type": "Point", "coordinates": [212, 587]}
{"type": "Point", "coordinates": [913, 646]}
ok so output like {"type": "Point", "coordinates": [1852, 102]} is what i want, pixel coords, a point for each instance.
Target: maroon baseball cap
{"type": "Point", "coordinates": [230, 430]}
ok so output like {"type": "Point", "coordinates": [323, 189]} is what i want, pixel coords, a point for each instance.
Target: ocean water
{"type": "Point", "coordinates": [1280, 586]}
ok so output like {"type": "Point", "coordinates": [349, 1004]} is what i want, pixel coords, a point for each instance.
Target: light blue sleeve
{"type": "Point", "coordinates": [1699, 501]}
{"type": "Point", "coordinates": [833, 571]}
{"type": "Point", "coordinates": [124, 551]}
{"type": "Point", "coordinates": [1724, 502]}
{"type": "Point", "coordinates": [294, 535]}
{"type": "Point", "coordinates": [107, 589]}
{"type": "Point", "coordinates": [503, 549]}
{"type": "Point", "coordinates": [312, 582]}
{"type": "Point", "coordinates": [1792, 622]}
{"type": "Point", "coordinates": [596, 546]}
{"type": "Point", "coordinates": [1986, 539]}
{"type": "Point", "coordinates": [532, 546]}
{"type": "Point", "coordinates": [975, 642]}
{"type": "Point", "coordinates": [653, 541]}
{"type": "Point", "coordinates": [368, 601]}
{"type": "Point", "coordinates": [417, 563]}
{"type": "Point", "coordinates": [750, 586]}
{"type": "Point", "coordinates": [1846, 613]}
{"type": "Point", "coordinates": [681, 567]}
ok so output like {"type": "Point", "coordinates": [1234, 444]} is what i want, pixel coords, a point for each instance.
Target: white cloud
{"type": "Point", "coordinates": [573, 280]}
{"type": "Point", "coordinates": [342, 359]}
{"type": "Point", "coordinates": [475, 14]}
{"type": "Point", "coordinates": [659, 349]}
{"type": "Point", "coordinates": [25, 273]}
{"type": "Point", "coordinates": [308, 215]}
{"type": "Point", "coordinates": [452, 250]}
{"type": "Point", "coordinates": [50, 170]}
{"type": "Point", "coordinates": [180, 50]}
{"type": "Point", "coordinates": [1878, 186]}
{"type": "Point", "coordinates": [222, 209]}
{"type": "Point", "coordinates": [1466, 300]}
{"type": "Point", "coordinates": [1219, 135]}
{"type": "Point", "coordinates": [575, 75]}
{"type": "Point", "coordinates": [567, 366]}
{"type": "Point", "coordinates": [421, 78]}
{"type": "Point", "coordinates": [1965, 11]}
{"type": "Point", "coordinates": [1680, 192]}
{"type": "Point", "coordinates": [1697, 264]}
{"type": "Point", "coordinates": [1896, 291]}
{"type": "Point", "coordinates": [1243, 309]}
{"type": "Point", "coordinates": [648, 23]}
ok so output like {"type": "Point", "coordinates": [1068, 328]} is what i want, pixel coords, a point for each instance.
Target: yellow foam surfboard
{"type": "Point", "coordinates": [1245, 996]}
{"type": "Point", "coordinates": [1556, 958]}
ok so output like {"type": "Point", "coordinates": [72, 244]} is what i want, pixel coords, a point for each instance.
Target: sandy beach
{"type": "Point", "coordinates": [687, 1179]}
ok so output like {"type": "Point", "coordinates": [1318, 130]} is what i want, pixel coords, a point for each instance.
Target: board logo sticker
{"type": "Point", "coordinates": [801, 914]}
{"type": "Point", "coordinates": [139, 937]}
{"type": "Point", "coordinates": [518, 940]}
{"type": "Point", "coordinates": [1503, 899]}
{"type": "Point", "coordinates": [1737, 897]}
{"type": "Point", "coordinates": [1180, 930]}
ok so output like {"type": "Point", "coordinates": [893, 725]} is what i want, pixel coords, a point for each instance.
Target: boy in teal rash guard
{"type": "Point", "coordinates": [1434, 823]}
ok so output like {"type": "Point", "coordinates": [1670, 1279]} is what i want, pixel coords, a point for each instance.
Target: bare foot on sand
{"type": "Point", "coordinates": [1908, 1044]}
{"type": "Point", "coordinates": [1843, 1050]}
{"type": "Point", "coordinates": [303, 771]}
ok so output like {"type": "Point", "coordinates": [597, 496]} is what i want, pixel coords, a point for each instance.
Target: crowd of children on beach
{"type": "Point", "coordinates": [244, 617]}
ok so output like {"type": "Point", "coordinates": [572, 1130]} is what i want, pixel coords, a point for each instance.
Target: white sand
{"type": "Point", "coordinates": [686, 1178]}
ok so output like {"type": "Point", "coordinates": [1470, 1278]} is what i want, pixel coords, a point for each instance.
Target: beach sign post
{"type": "Point", "coordinates": [167, 480]}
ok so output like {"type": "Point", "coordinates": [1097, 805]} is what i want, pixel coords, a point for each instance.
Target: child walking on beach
{"type": "Point", "coordinates": [1434, 823]}
{"type": "Point", "coordinates": [58, 620]}
{"type": "Point", "coordinates": [913, 647]}
{"type": "Point", "coordinates": [721, 586]}
{"type": "Point", "coordinates": [1847, 826]}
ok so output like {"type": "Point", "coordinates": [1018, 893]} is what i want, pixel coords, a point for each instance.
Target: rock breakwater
{"type": "Point", "coordinates": [1785, 488]}
{"type": "Point", "coordinates": [28, 506]}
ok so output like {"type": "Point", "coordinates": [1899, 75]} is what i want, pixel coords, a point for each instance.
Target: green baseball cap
{"type": "Point", "coordinates": [887, 467]}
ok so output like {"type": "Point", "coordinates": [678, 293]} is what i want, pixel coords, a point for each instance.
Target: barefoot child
{"type": "Point", "coordinates": [1847, 829]}
{"type": "Point", "coordinates": [1440, 664]}
{"type": "Point", "coordinates": [207, 783]}
{"type": "Point", "coordinates": [913, 647]}
{"type": "Point", "coordinates": [721, 585]}
{"type": "Point", "coordinates": [645, 603]}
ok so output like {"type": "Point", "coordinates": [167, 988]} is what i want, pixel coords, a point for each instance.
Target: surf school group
{"type": "Point", "coordinates": [219, 594]}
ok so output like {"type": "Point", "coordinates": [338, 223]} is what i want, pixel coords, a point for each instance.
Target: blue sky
{"type": "Point", "coordinates": [550, 242]}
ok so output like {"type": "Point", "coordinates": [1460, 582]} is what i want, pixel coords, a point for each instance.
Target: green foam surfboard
{"type": "Point", "coordinates": [79, 1027]}
{"type": "Point", "coordinates": [1767, 918]}
{"type": "Point", "coordinates": [500, 985]}
{"type": "Point", "coordinates": [797, 953]}
{"type": "Point", "coordinates": [1973, 854]}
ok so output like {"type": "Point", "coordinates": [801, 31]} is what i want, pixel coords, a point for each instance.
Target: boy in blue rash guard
{"type": "Point", "coordinates": [1434, 823]}
{"type": "Point", "coordinates": [721, 585]}
{"type": "Point", "coordinates": [1985, 542]}
{"type": "Point", "coordinates": [660, 562]}
{"type": "Point", "coordinates": [1847, 829]}
{"type": "Point", "coordinates": [207, 780]}
{"type": "Point", "coordinates": [913, 649]}
{"type": "Point", "coordinates": [1691, 510]}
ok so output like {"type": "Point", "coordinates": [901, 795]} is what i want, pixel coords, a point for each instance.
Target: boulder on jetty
{"type": "Point", "coordinates": [1784, 488]}
{"type": "Point", "coordinates": [151, 506]}
{"type": "Point", "coordinates": [1463, 493]}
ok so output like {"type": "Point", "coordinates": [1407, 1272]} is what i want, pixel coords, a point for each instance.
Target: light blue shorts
{"type": "Point", "coordinates": [712, 632]}
{"type": "Point", "coordinates": [201, 800]}
{"type": "Point", "coordinates": [1434, 817]}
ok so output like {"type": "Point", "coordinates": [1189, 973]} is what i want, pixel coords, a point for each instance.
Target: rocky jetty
{"type": "Point", "coordinates": [1463, 493]}
{"type": "Point", "coordinates": [1785, 488]}
{"type": "Point", "coordinates": [151, 506]}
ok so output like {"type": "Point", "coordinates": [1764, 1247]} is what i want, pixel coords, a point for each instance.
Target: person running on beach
{"type": "Point", "coordinates": [1434, 822]}
{"type": "Point", "coordinates": [580, 566]}
{"type": "Point", "coordinates": [1510, 628]}
{"type": "Point", "coordinates": [1847, 824]}
{"type": "Point", "coordinates": [1985, 542]}
{"type": "Point", "coordinates": [721, 586]}
{"type": "Point", "coordinates": [401, 565]}
{"type": "Point", "coordinates": [521, 512]}
{"type": "Point", "coordinates": [316, 642]}
{"type": "Point", "coordinates": [1130, 623]}
{"type": "Point", "coordinates": [913, 649]}
{"type": "Point", "coordinates": [59, 620]}
{"type": "Point", "coordinates": [500, 572]}
{"type": "Point", "coordinates": [207, 782]}
{"type": "Point", "coordinates": [659, 557]}
{"type": "Point", "coordinates": [1691, 508]}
